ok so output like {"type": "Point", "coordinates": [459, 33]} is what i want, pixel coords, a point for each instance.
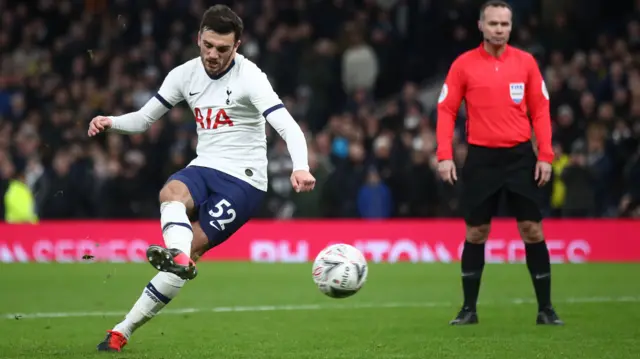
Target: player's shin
{"type": "Point", "coordinates": [176, 227]}
{"type": "Point", "coordinates": [155, 296]}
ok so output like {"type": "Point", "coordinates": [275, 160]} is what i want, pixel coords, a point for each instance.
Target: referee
{"type": "Point", "coordinates": [499, 84]}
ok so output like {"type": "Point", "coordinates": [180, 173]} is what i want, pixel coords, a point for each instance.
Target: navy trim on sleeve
{"type": "Point", "coordinates": [271, 109]}
{"type": "Point", "coordinates": [163, 101]}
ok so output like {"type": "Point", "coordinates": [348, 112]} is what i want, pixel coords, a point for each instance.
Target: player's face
{"type": "Point", "coordinates": [216, 50]}
{"type": "Point", "coordinates": [496, 25]}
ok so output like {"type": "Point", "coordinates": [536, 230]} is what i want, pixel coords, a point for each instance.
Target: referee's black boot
{"type": "Point", "coordinates": [465, 316]}
{"type": "Point", "coordinates": [548, 316]}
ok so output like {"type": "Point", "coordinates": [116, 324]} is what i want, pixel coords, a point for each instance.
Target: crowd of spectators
{"type": "Point", "coordinates": [349, 71]}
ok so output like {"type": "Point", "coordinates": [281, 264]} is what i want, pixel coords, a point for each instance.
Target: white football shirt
{"type": "Point", "coordinates": [230, 111]}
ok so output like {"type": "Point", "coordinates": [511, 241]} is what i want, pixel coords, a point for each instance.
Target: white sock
{"type": "Point", "coordinates": [176, 227]}
{"type": "Point", "coordinates": [158, 293]}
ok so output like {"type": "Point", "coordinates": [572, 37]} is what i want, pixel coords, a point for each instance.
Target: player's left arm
{"type": "Point", "coordinates": [537, 98]}
{"type": "Point", "coordinates": [267, 102]}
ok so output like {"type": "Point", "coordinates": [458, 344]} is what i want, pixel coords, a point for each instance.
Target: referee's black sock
{"type": "Point", "coordinates": [539, 266]}
{"type": "Point", "coordinates": [472, 266]}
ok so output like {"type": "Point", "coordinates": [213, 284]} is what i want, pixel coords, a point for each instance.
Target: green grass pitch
{"type": "Point", "coordinates": [249, 310]}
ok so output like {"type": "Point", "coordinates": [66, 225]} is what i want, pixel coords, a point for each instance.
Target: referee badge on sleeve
{"type": "Point", "coordinates": [516, 91]}
{"type": "Point", "coordinates": [443, 93]}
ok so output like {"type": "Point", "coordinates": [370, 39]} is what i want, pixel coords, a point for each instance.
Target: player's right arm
{"type": "Point", "coordinates": [267, 102]}
{"type": "Point", "coordinates": [448, 104]}
{"type": "Point", "coordinates": [169, 95]}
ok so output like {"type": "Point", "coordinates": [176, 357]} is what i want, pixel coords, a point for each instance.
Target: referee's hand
{"type": "Point", "coordinates": [543, 173]}
{"type": "Point", "coordinates": [447, 170]}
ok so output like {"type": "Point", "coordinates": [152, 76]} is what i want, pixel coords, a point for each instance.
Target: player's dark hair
{"type": "Point", "coordinates": [221, 19]}
{"type": "Point", "coordinates": [494, 3]}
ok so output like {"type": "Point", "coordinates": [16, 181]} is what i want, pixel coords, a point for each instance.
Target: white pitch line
{"type": "Point", "coordinates": [310, 307]}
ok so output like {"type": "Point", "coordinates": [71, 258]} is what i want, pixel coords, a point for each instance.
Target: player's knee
{"type": "Point", "coordinates": [478, 234]}
{"type": "Point", "coordinates": [531, 232]}
{"type": "Point", "coordinates": [175, 191]}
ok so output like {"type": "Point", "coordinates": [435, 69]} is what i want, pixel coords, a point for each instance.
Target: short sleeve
{"type": "Point", "coordinates": [170, 93]}
{"type": "Point", "coordinates": [260, 92]}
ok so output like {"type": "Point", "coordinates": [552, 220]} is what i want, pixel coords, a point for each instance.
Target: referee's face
{"type": "Point", "coordinates": [495, 24]}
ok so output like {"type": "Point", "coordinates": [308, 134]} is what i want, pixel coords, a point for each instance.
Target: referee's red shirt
{"type": "Point", "coordinates": [497, 93]}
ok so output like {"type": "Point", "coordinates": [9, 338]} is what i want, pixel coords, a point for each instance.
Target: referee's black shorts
{"type": "Point", "coordinates": [490, 172]}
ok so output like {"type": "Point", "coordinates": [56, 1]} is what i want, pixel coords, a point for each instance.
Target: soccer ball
{"type": "Point", "coordinates": [340, 270]}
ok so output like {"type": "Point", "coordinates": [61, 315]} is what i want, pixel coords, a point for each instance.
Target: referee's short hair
{"type": "Point", "coordinates": [494, 3]}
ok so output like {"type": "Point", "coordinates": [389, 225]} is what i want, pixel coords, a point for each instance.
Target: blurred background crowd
{"type": "Point", "coordinates": [360, 77]}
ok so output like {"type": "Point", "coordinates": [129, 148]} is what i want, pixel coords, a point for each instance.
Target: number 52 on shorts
{"type": "Point", "coordinates": [222, 216]}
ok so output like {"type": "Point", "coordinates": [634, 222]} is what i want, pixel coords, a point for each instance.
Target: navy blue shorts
{"type": "Point", "coordinates": [223, 203]}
